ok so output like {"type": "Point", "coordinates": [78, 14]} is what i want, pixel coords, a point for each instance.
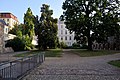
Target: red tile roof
{"type": "Point", "coordinates": [8, 15]}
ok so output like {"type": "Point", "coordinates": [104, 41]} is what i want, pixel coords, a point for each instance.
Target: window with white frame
{"type": "Point", "coordinates": [61, 26]}
{"type": "Point", "coordinates": [70, 38]}
{"type": "Point", "coordinates": [61, 38]}
{"type": "Point", "coordinates": [7, 20]}
{"type": "Point", "coordinates": [65, 31]}
{"type": "Point", "coordinates": [65, 37]}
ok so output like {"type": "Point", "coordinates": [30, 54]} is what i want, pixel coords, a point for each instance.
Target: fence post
{"type": "Point", "coordinates": [43, 57]}
{"type": "Point", "coordinates": [10, 69]}
{"type": "Point", "coordinates": [29, 63]}
{"type": "Point", "coordinates": [34, 61]}
{"type": "Point", "coordinates": [21, 66]}
{"type": "Point", "coordinates": [40, 58]}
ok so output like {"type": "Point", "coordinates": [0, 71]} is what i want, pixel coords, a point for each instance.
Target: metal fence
{"type": "Point", "coordinates": [15, 69]}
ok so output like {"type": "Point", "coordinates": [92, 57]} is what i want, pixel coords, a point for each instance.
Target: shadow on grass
{"type": "Point", "coordinates": [48, 53]}
{"type": "Point", "coordinates": [87, 53]}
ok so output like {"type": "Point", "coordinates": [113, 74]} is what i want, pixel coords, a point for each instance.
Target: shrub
{"type": "Point", "coordinates": [75, 45]}
{"type": "Point", "coordinates": [84, 47]}
{"type": "Point", "coordinates": [63, 45]}
{"type": "Point", "coordinates": [17, 44]}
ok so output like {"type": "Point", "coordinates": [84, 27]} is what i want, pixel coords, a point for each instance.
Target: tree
{"type": "Point", "coordinates": [21, 38]}
{"type": "Point", "coordinates": [47, 29]}
{"type": "Point", "coordinates": [97, 16]}
{"type": "Point", "coordinates": [24, 32]}
{"type": "Point", "coordinates": [28, 29]}
{"type": "Point", "coordinates": [18, 30]}
{"type": "Point", "coordinates": [29, 23]}
{"type": "Point", "coordinates": [36, 24]}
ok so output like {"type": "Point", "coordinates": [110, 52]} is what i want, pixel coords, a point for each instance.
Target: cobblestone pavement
{"type": "Point", "coordinates": [73, 67]}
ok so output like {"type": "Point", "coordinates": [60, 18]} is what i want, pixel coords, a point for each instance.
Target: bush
{"type": "Point", "coordinates": [75, 46]}
{"type": "Point", "coordinates": [63, 45]}
{"type": "Point", "coordinates": [79, 46]}
{"type": "Point", "coordinates": [84, 47]}
{"type": "Point", "coordinates": [20, 44]}
{"type": "Point", "coordinates": [17, 44]}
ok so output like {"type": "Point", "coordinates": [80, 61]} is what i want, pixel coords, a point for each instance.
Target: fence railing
{"type": "Point", "coordinates": [15, 69]}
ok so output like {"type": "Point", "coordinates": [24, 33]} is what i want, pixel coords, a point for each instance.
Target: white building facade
{"type": "Point", "coordinates": [10, 19]}
{"type": "Point", "coordinates": [64, 35]}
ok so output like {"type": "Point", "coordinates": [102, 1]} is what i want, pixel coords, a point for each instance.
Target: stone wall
{"type": "Point", "coordinates": [2, 44]}
{"type": "Point", "coordinates": [106, 46]}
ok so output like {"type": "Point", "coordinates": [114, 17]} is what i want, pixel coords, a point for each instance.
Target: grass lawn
{"type": "Point", "coordinates": [86, 53]}
{"type": "Point", "coordinates": [53, 53]}
{"type": "Point", "coordinates": [115, 63]}
{"type": "Point", "coordinates": [48, 53]}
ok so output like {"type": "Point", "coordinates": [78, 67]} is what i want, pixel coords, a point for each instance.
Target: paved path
{"type": "Point", "coordinates": [73, 67]}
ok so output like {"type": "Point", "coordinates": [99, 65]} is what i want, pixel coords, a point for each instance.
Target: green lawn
{"type": "Point", "coordinates": [86, 53]}
{"type": "Point", "coordinates": [115, 63]}
{"type": "Point", "coordinates": [53, 53]}
{"type": "Point", "coordinates": [48, 53]}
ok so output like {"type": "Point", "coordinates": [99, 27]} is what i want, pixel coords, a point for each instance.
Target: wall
{"type": "Point", "coordinates": [2, 45]}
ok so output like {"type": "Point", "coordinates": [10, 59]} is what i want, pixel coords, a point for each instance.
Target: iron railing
{"type": "Point", "coordinates": [15, 69]}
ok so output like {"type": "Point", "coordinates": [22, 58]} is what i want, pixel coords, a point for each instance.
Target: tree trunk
{"type": "Point", "coordinates": [89, 39]}
{"type": "Point", "coordinates": [89, 44]}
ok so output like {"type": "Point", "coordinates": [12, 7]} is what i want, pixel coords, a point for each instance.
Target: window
{"type": "Point", "coordinates": [70, 37]}
{"type": "Point", "coordinates": [66, 38]}
{"type": "Point", "coordinates": [7, 20]}
{"type": "Point", "coordinates": [61, 38]}
{"type": "Point", "coordinates": [6, 30]}
{"type": "Point", "coordinates": [8, 24]}
{"type": "Point", "coordinates": [61, 31]}
{"type": "Point", "coordinates": [66, 32]}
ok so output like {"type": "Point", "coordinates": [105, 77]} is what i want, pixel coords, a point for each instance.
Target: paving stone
{"type": "Point", "coordinates": [73, 67]}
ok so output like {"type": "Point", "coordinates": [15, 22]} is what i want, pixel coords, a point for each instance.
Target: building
{"type": "Point", "coordinates": [64, 35]}
{"type": "Point", "coordinates": [2, 32]}
{"type": "Point", "coordinates": [10, 19]}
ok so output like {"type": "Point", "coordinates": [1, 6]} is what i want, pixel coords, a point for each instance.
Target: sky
{"type": "Point", "coordinates": [19, 7]}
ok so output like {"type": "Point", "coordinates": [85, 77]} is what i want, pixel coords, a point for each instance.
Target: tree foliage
{"type": "Point", "coordinates": [29, 23]}
{"type": "Point", "coordinates": [24, 32]}
{"type": "Point", "coordinates": [47, 29]}
{"type": "Point", "coordinates": [97, 16]}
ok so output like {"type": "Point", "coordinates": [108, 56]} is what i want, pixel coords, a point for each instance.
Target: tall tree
{"type": "Point", "coordinates": [28, 30]}
{"type": "Point", "coordinates": [24, 32]}
{"type": "Point", "coordinates": [29, 23]}
{"type": "Point", "coordinates": [47, 31]}
{"type": "Point", "coordinates": [91, 19]}
{"type": "Point", "coordinates": [36, 24]}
